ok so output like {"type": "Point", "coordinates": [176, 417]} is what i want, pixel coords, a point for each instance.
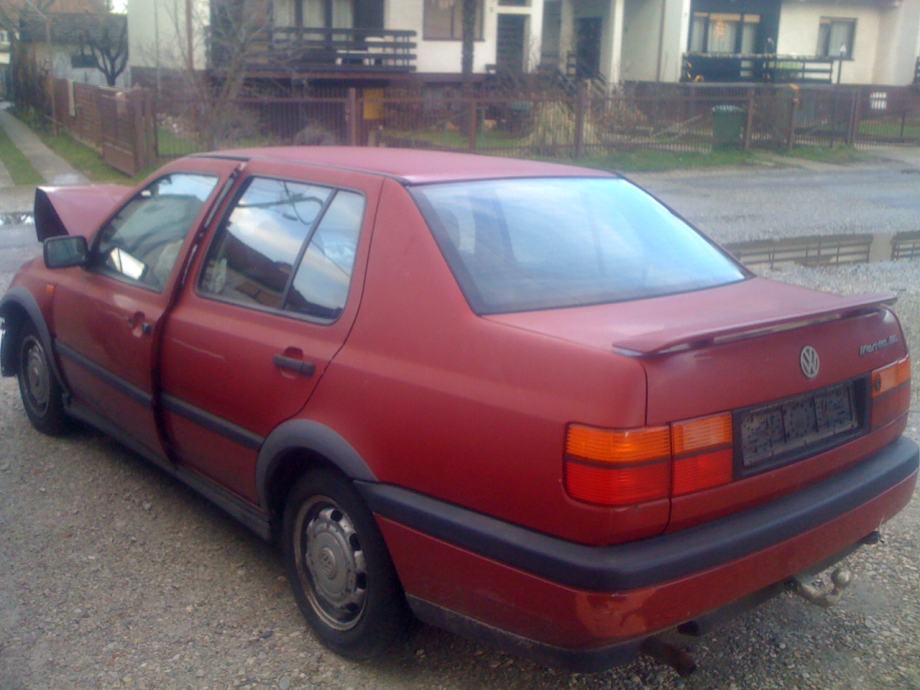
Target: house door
{"type": "Point", "coordinates": [368, 14]}
{"type": "Point", "coordinates": [588, 47]}
{"type": "Point", "coordinates": [512, 30]}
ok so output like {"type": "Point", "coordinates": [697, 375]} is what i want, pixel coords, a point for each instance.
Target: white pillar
{"type": "Point", "coordinates": [614, 42]}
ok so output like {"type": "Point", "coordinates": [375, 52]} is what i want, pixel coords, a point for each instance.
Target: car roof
{"type": "Point", "coordinates": [410, 166]}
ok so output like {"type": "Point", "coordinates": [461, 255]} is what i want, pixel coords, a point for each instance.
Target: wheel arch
{"type": "Point", "coordinates": [295, 446]}
{"type": "Point", "coordinates": [17, 307]}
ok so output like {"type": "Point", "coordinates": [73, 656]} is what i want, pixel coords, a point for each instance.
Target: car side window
{"type": "Point", "coordinates": [142, 242]}
{"type": "Point", "coordinates": [320, 286]}
{"type": "Point", "coordinates": [252, 258]}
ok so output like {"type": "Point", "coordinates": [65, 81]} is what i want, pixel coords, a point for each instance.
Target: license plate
{"type": "Point", "coordinates": [790, 427]}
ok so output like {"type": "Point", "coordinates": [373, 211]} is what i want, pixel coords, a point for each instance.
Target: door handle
{"type": "Point", "coordinates": [136, 321]}
{"type": "Point", "coordinates": [293, 364]}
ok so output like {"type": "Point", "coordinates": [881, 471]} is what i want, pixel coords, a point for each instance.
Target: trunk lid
{"type": "Point", "coordinates": [733, 346]}
{"type": "Point", "coordinates": [739, 349]}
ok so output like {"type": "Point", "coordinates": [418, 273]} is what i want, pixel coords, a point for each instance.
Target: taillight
{"type": "Point", "coordinates": [890, 392]}
{"type": "Point", "coordinates": [625, 467]}
{"type": "Point", "coordinates": [702, 450]}
{"type": "Point", "coordinates": [617, 468]}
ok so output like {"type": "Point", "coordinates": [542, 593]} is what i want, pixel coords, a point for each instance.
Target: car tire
{"type": "Point", "coordinates": [339, 568]}
{"type": "Point", "coordinates": [41, 393]}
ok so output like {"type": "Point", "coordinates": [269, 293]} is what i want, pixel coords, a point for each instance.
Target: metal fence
{"type": "Point", "coordinates": [674, 118]}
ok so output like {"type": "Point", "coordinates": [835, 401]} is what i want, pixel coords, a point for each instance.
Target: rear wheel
{"type": "Point", "coordinates": [339, 568]}
{"type": "Point", "coordinates": [42, 396]}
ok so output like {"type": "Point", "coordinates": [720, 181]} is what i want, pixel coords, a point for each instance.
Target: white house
{"type": "Point", "coordinates": [387, 41]}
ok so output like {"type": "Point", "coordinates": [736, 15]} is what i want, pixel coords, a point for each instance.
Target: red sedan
{"type": "Point", "coordinates": [518, 400]}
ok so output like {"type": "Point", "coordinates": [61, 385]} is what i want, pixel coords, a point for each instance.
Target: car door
{"type": "Point", "coordinates": [107, 317]}
{"type": "Point", "coordinates": [270, 302]}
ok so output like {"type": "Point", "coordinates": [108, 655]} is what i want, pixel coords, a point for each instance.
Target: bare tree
{"type": "Point", "coordinates": [232, 35]}
{"type": "Point", "coordinates": [107, 40]}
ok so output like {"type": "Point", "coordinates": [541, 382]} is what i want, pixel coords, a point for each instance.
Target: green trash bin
{"type": "Point", "coordinates": [728, 125]}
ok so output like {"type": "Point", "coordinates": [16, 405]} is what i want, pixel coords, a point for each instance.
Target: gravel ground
{"type": "Point", "coordinates": [115, 576]}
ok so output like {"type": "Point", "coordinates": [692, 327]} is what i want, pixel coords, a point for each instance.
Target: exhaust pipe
{"type": "Point", "coordinates": [823, 597]}
{"type": "Point", "coordinates": [668, 654]}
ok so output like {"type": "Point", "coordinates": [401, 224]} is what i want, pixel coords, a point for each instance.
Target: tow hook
{"type": "Point", "coordinates": [668, 654]}
{"type": "Point", "coordinates": [822, 596]}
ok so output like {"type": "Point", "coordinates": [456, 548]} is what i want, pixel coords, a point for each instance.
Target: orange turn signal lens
{"type": "Point", "coordinates": [703, 471]}
{"type": "Point", "coordinates": [618, 486]}
{"type": "Point", "coordinates": [616, 447]}
{"type": "Point", "coordinates": [699, 434]}
{"type": "Point", "coordinates": [891, 376]}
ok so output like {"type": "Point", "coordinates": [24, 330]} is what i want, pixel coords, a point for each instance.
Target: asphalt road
{"type": "Point", "coordinates": [112, 575]}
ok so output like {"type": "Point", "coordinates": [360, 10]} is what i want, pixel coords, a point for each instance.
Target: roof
{"type": "Point", "coordinates": [69, 29]}
{"type": "Point", "coordinates": [411, 165]}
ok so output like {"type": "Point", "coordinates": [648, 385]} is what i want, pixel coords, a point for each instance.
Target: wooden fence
{"type": "Point", "coordinates": [119, 124]}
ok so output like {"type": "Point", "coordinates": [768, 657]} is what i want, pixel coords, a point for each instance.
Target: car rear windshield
{"type": "Point", "coordinates": [528, 244]}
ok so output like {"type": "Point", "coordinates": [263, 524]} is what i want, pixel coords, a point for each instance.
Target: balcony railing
{"type": "Point", "coordinates": [299, 50]}
{"type": "Point", "coordinates": [758, 67]}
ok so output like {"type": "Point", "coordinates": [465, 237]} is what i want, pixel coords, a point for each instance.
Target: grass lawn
{"type": "Point", "coordinates": [890, 128]}
{"type": "Point", "coordinates": [17, 164]}
{"type": "Point", "coordinates": [825, 154]}
{"type": "Point", "coordinates": [87, 160]}
{"type": "Point", "coordinates": [642, 160]}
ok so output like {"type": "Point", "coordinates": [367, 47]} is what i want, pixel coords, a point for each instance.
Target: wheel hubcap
{"type": "Point", "coordinates": [331, 563]}
{"type": "Point", "coordinates": [35, 368]}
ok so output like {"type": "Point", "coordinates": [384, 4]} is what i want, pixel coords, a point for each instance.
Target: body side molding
{"type": "Point", "coordinates": [304, 434]}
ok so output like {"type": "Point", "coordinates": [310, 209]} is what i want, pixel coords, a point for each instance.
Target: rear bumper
{"type": "Point", "coordinates": [596, 604]}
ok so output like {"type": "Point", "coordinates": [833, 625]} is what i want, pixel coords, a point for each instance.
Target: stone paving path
{"type": "Point", "coordinates": [54, 169]}
{"type": "Point", "coordinates": [49, 165]}
{"type": "Point", "coordinates": [5, 179]}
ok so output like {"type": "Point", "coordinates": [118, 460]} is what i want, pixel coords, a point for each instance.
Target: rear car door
{"type": "Point", "coordinates": [270, 302]}
{"type": "Point", "coordinates": [107, 318]}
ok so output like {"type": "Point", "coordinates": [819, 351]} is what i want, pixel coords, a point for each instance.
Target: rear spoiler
{"type": "Point", "coordinates": [75, 210]}
{"type": "Point", "coordinates": [667, 341]}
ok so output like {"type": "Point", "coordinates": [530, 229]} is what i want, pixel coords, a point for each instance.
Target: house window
{"type": "Point", "coordinates": [721, 32]}
{"type": "Point", "coordinates": [444, 20]}
{"type": "Point", "coordinates": [82, 61]}
{"type": "Point", "coordinates": [835, 38]}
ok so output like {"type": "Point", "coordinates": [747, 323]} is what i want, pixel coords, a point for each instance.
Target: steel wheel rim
{"type": "Point", "coordinates": [36, 375]}
{"type": "Point", "coordinates": [330, 563]}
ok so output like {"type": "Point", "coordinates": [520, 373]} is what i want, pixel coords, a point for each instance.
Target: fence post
{"type": "Point", "coordinates": [749, 124]}
{"type": "Point", "coordinates": [581, 110]}
{"type": "Point", "coordinates": [352, 108]}
{"type": "Point", "coordinates": [854, 118]}
{"type": "Point", "coordinates": [790, 129]}
{"type": "Point", "coordinates": [472, 125]}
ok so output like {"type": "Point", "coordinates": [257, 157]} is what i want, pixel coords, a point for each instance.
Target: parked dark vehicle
{"type": "Point", "coordinates": [518, 400]}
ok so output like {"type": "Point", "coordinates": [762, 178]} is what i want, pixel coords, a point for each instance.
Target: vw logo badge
{"type": "Point", "coordinates": [810, 362]}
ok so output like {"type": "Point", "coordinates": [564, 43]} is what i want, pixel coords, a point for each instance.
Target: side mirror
{"type": "Point", "coordinates": [64, 252]}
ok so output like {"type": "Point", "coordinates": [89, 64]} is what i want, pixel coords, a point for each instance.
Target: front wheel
{"type": "Point", "coordinates": [339, 568]}
{"type": "Point", "coordinates": [42, 396]}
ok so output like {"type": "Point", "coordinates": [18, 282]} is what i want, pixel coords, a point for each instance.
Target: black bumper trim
{"type": "Point", "coordinates": [658, 559]}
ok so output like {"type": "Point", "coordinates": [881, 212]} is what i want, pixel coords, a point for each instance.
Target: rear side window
{"type": "Point", "coordinates": [141, 244]}
{"type": "Point", "coordinates": [286, 246]}
{"type": "Point", "coordinates": [530, 244]}
{"type": "Point", "coordinates": [320, 285]}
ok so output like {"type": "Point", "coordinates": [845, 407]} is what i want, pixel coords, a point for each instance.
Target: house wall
{"type": "Point", "coordinates": [157, 33]}
{"type": "Point", "coordinates": [444, 56]}
{"type": "Point", "coordinates": [62, 69]}
{"type": "Point", "coordinates": [642, 39]}
{"type": "Point", "coordinates": [898, 43]}
{"type": "Point", "coordinates": [798, 34]}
